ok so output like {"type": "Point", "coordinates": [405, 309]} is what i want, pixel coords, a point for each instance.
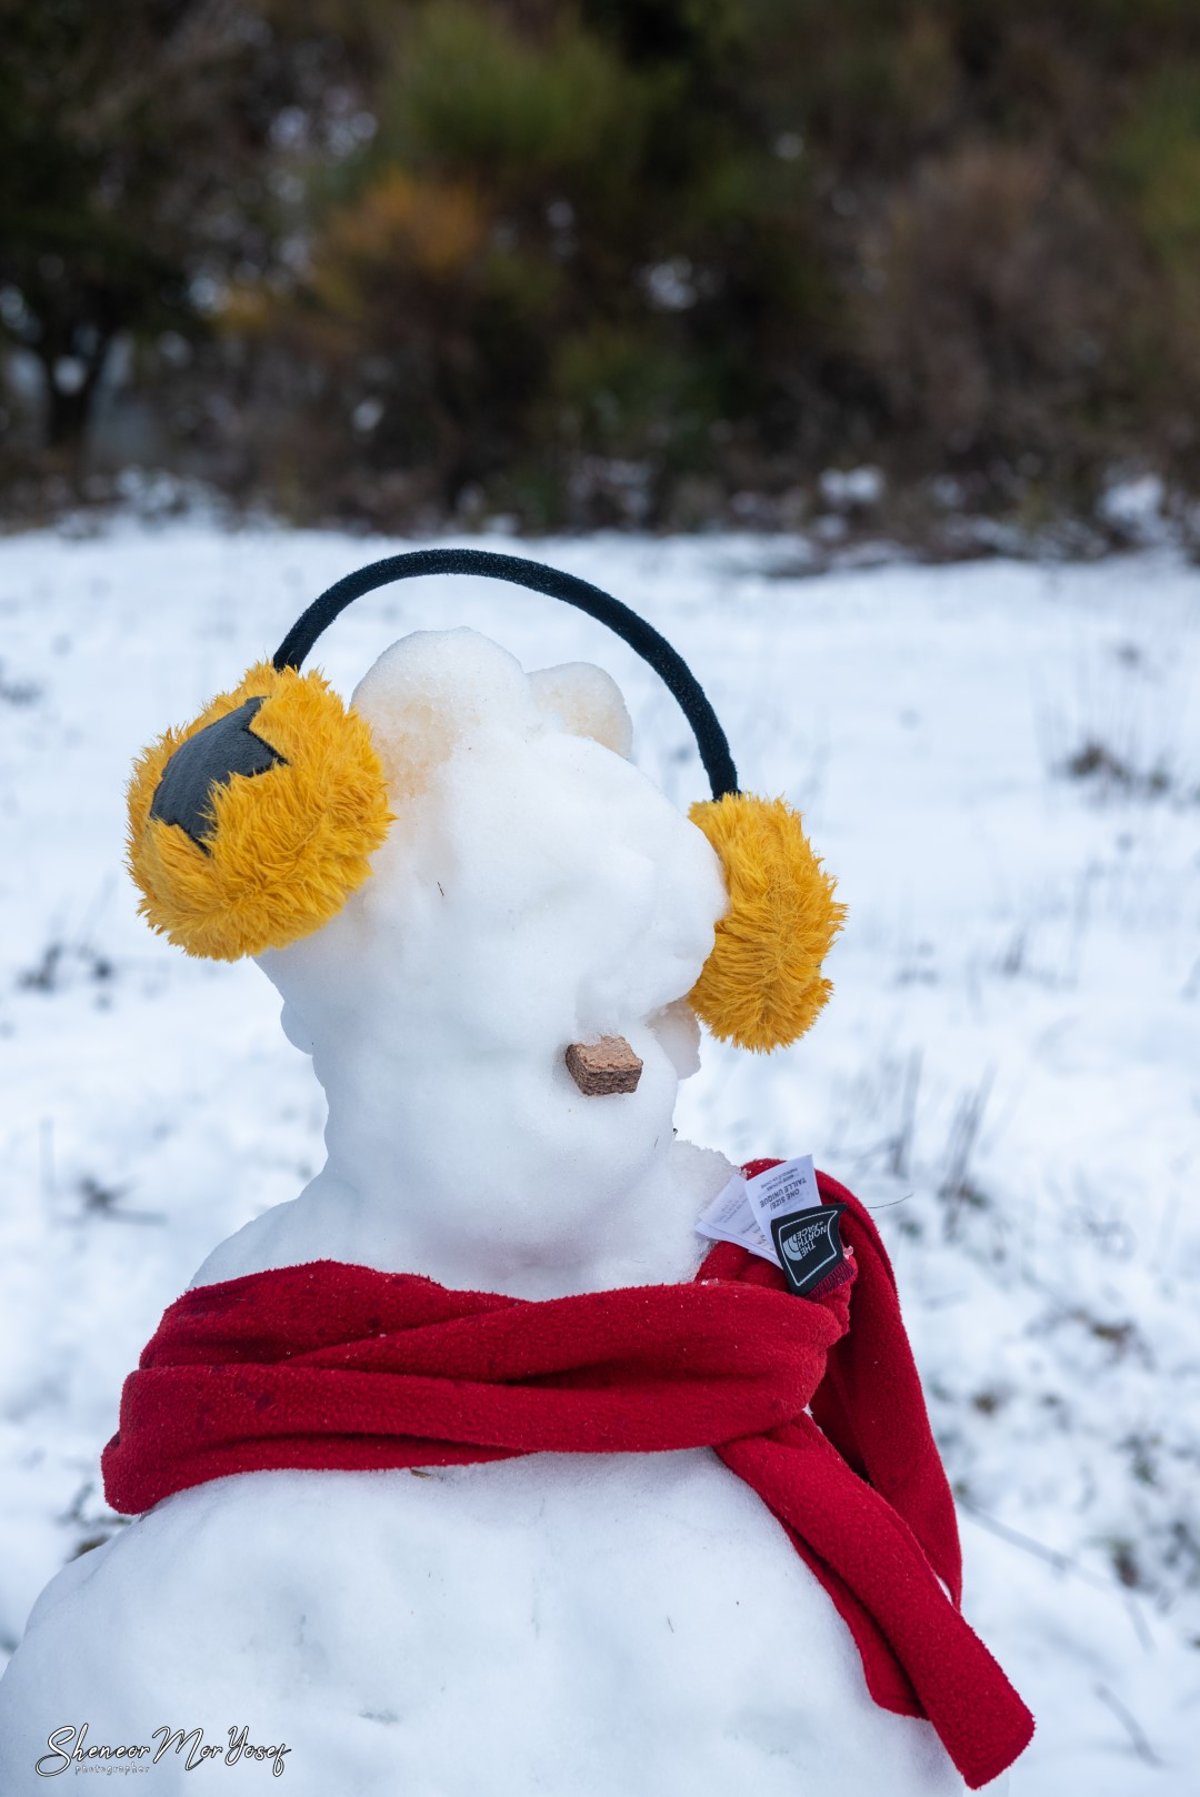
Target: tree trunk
{"type": "Point", "coordinates": [68, 412]}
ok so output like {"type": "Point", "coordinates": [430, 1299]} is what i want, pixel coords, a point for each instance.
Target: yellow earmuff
{"type": "Point", "coordinates": [762, 985]}
{"type": "Point", "coordinates": [252, 827]}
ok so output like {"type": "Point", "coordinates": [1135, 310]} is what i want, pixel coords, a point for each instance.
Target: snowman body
{"type": "Point", "coordinates": [558, 1623]}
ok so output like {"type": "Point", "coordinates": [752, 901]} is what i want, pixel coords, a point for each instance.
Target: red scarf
{"type": "Point", "coordinates": [335, 1366]}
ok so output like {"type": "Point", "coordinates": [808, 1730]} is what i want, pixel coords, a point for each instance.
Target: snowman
{"type": "Point", "coordinates": [450, 1477]}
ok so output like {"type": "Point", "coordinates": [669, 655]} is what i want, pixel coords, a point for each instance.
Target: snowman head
{"type": "Point", "coordinates": [464, 889]}
{"type": "Point", "coordinates": [535, 893]}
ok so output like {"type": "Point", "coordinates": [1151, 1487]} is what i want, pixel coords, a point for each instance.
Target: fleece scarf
{"type": "Point", "coordinates": [334, 1366]}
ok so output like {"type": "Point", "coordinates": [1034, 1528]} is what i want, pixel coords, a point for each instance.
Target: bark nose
{"type": "Point", "coordinates": [599, 1068]}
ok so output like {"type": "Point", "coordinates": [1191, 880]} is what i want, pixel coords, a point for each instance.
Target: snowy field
{"type": "Point", "coordinates": [1001, 762]}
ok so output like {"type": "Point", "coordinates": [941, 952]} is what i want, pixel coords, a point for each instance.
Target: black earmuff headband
{"type": "Point", "coordinates": [641, 637]}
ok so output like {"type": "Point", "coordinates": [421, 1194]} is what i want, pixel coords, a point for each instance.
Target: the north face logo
{"type": "Point", "coordinates": [808, 1244]}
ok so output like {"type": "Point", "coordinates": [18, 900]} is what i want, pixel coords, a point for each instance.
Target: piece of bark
{"type": "Point", "coordinates": [609, 1065]}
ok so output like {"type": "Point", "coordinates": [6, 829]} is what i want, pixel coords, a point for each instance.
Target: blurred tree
{"type": "Point", "coordinates": [133, 178]}
{"type": "Point", "coordinates": [636, 253]}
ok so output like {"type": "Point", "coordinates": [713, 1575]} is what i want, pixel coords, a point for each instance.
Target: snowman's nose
{"type": "Point", "coordinates": [608, 1065]}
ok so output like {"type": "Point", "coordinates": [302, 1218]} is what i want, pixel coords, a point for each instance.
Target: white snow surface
{"type": "Point", "coordinates": [1009, 1069]}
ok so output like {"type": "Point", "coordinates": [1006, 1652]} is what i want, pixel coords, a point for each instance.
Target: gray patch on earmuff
{"type": "Point", "coordinates": [209, 759]}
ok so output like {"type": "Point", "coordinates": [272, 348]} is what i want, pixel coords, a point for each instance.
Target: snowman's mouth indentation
{"type": "Point", "coordinates": [603, 1067]}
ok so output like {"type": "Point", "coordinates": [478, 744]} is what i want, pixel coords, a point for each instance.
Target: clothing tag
{"type": "Point", "coordinates": [781, 1191]}
{"type": "Point", "coordinates": [730, 1219]}
{"type": "Point", "coordinates": [809, 1245]}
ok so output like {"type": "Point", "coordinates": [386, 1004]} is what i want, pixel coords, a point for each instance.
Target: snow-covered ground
{"type": "Point", "coordinates": [1001, 762]}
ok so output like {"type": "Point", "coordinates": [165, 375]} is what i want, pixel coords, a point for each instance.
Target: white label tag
{"type": "Point", "coordinates": [730, 1219]}
{"type": "Point", "coordinates": [782, 1190]}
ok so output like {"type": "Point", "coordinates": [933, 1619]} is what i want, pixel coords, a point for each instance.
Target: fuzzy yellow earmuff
{"type": "Point", "coordinates": [253, 825]}
{"type": "Point", "coordinates": [762, 985]}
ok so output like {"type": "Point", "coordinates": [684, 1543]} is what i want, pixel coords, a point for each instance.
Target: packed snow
{"type": "Point", "coordinates": [1001, 762]}
{"type": "Point", "coordinates": [535, 890]}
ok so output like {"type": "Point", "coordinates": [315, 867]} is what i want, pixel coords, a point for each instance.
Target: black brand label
{"type": "Point", "coordinates": [808, 1245]}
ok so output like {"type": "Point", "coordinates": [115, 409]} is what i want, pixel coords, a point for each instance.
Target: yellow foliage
{"type": "Point", "coordinates": [289, 846]}
{"type": "Point", "coordinates": [247, 311]}
{"type": "Point", "coordinates": [761, 986]}
{"type": "Point", "coordinates": [400, 225]}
